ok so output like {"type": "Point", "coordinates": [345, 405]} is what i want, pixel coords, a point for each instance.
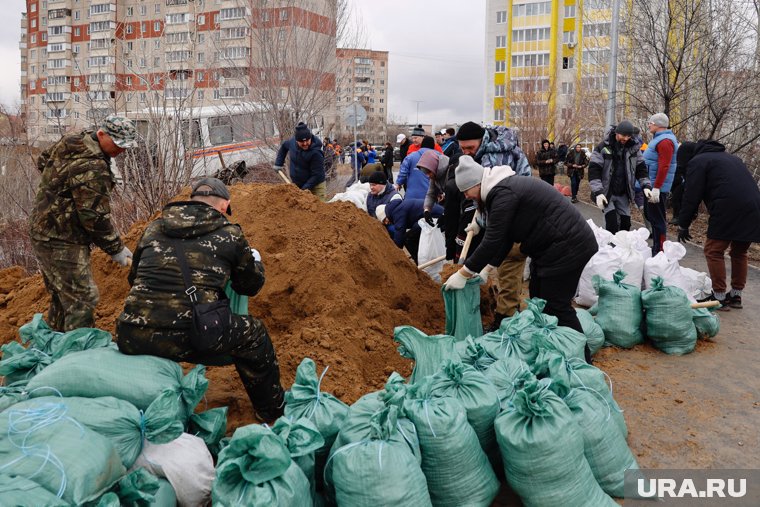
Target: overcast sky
{"type": "Point", "coordinates": [436, 56]}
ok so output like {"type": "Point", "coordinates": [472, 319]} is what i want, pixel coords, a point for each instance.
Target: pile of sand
{"type": "Point", "coordinates": [336, 287]}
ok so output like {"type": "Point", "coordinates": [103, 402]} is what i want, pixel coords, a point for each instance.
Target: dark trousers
{"type": "Point", "coordinates": [614, 222]}
{"type": "Point", "coordinates": [247, 342]}
{"type": "Point", "coordinates": [676, 196]}
{"type": "Point", "coordinates": [549, 178]}
{"type": "Point", "coordinates": [655, 215]}
{"type": "Point", "coordinates": [575, 183]}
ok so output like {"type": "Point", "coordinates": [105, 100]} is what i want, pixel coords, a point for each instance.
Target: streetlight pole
{"type": "Point", "coordinates": [612, 78]}
{"type": "Point", "coordinates": [418, 109]}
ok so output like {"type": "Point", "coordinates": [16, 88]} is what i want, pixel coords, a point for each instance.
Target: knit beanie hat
{"type": "Point", "coordinates": [428, 142]}
{"type": "Point", "coordinates": [660, 119]}
{"type": "Point", "coordinates": [302, 132]}
{"type": "Point", "coordinates": [470, 131]}
{"type": "Point", "coordinates": [685, 153]}
{"type": "Point", "coordinates": [377, 177]}
{"type": "Point", "coordinates": [380, 212]}
{"type": "Point", "coordinates": [418, 131]}
{"type": "Point", "coordinates": [625, 128]}
{"type": "Point", "coordinates": [468, 173]}
{"type": "Point", "coordinates": [429, 161]}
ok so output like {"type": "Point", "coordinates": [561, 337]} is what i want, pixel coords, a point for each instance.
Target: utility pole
{"type": "Point", "coordinates": [418, 109]}
{"type": "Point", "coordinates": [612, 78]}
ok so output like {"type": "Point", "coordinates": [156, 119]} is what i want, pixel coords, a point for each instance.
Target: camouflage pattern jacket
{"type": "Point", "coordinates": [216, 252]}
{"type": "Point", "coordinates": [73, 203]}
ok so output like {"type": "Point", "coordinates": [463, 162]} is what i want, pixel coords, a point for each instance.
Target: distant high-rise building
{"type": "Point", "coordinates": [363, 76]}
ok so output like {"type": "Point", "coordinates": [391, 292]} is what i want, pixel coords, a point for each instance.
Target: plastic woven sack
{"type": "Point", "coordinates": [473, 353]}
{"type": "Point", "coordinates": [669, 319]}
{"type": "Point", "coordinates": [136, 489]}
{"type": "Point", "coordinates": [455, 466]}
{"type": "Point", "coordinates": [548, 335]}
{"type": "Point", "coordinates": [592, 330]}
{"type": "Point", "coordinates": [631, 248]}
{"type": "Point", "coordinates": [432, 245]}
{"type": "Point", "coordinates": [256, 470]}
{"type": "Point", "coordinates": [508, 375]}
{"type": "Point", "coordinates": [463, 310]}
{"type": "Point", "coordinates": [302, 438]}
{"type": "Point", "coordinates": [22, 492]}
{"type": "Point", "coordinates": [620, 311]}
{"type": "Point", "coordinates": [68, 459]}
{"type": "Point", "coordinates": [211, 426]}
{"type": "Point", "coordinates": [428, 352]}
{"type": "Point", "coordinates": [119, 421]}
{"type": "Point", "coordinates": [604, 263]}
{"type": "Point", "coordinates": [238, 302]}
{"type": "Point", "coordinates": [137, 379]}
{"type": "Point", "coordinates": [542, 449]}
{"type": "Point", "coordinates": [699, 283]}
{"type": "Point", "coordinates": [665, 265]}
{"type": "Point", "coordinates": [706, 322]}
{"type": "Point", "coordinates": [45, 346]}
{"type": "Point", "coordinates": [514, 338]}
{"type": "Point", "coordinates": [379, 470]}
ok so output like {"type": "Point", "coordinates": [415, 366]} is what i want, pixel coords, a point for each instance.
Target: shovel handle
{"type": "Point", "coordinates": [706, 304]}
{"type": "Point", "coordinates": [284, 177]}
{"type": "Point", "coordinates": [431, 262]}
{"type": "Point", "coordinates": [467, 241]}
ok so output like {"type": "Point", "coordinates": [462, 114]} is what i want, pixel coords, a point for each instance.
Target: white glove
{"type": "Point", "coordinates": [256, 255]}
{"type": "Point", "coordinates": [485, 272]}
{"type": "Point", "coordinates": [123, 258]}
{"type": "Point", "coordinates": [456, 281]}
{"type": "Point", "coordinates": [652, 195]}
{"type": "Point", "coordinates": [601, 202]}
{"type": "Point", "coordinates": [474, 227]}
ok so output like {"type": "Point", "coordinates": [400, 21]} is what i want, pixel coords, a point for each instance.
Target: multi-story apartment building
{"type": "Point", "coordinates": [546, 67]}
{"type": "Point", "coordinates": [363, 76]}
{"type": "Point", "coordinates": [83, 59]}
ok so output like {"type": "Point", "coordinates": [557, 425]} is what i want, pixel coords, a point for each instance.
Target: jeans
{"type": "Point", "coordinates": [575, 183]}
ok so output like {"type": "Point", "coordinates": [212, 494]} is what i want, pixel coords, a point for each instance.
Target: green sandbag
{"type": "Point", "coordinates": [163, 496]}
{"type": "Point", "coordinates": [592, 330]}
{"type": "Point", "coordinates": [58, 453]}
{"type": "Point", "coordinates": [211, 426]}
{"type": "Point", "coordinates": [137, 379]}
{"type": "Point", "coordinates": [514, 338]}
{"type": "Point", "coordinates": [302, 439]}
{"type": "Point", "coordinates": [119, 421]}
{"type": "Point", "coordinates": [476, 394]}
{"type": "Point", "coordinates": [463, 310]}
{"type": "Point", "coordinates": [238, 302]}
{"type": "Point", "coordinates": [542, 449]}
{"type": "Point", "coordinates": [138, 488]}
{"type": "Point", "coordinates": [455, 466]}
{"type": "Point", "coordinates": [579, 374]}
{"type": "Point", "coordinates": [549, 335]}
{"type": "Point", "coordinates": [379, 471]}
{"type": "Point", "coordinates": [620, 310]}
{"type": "Point", "coordinates": [46, 346]}
{"type": "Point", "coordinates": [508, 376]}
{"type": "Point", "coordinates": [428, 352]}
{"type": "Point", "coordinates": [670, 327]}
{"type": "Point", "coordinates": [256, 470]}
{"type": "Point", "coordinates": [706, 322]}
{"type": "Point", "coordinates": [604, 446]}
{"type": "Point", "coordinates": [306, 400]}
{"type": "Point", "coordinates": [22, 492]}
{"type": "Point", "coordinates": [473, 353]}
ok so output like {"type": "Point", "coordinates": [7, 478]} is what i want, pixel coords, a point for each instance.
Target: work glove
{"type": "Point", "coordinates": [601, 202]}
{"type": "Point", "coordinates": [683, 235]}
{"type": "Point", "coordinates": [429, 218]}
{"type": "Point", "coordinates": [474, 227]}
{"type": "Point", "coordinates": [485, 273]}
{"type": "Point", "coordinates": [653, 196]}
{"type": "Point", "coordinates": [256, 255]}
{"type": "Point", "coordinates": [123, 258]}
{"type": "Point", "coordinates": [457, 281]}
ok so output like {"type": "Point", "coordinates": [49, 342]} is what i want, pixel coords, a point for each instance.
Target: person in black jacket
{"type": "Point", "coordinates": [387, 162]}
{"type": "Point", "coordinates": [548, 228]}
{"type": "Point", "coordinates": [546, 160]}
{"type": "Point", "coordinates": [403, 145]}
{"type": "Point", "coordinates": [575, 163]}
{"type": "Point", "coordinates": [307, 162]}
{"type": "Point", "coordinates": [732, 198]}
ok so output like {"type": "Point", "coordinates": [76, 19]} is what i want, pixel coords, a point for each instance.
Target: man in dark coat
{"type": "Point", "coordinates": [546, 160]}
{"type": "Point", "coordinates": [403, 145]}
{"type": "Point", "coordinates": [575, 164]}
{"type": "Point", "coordinates": [387, 161]}
{"type": "Point", "coordinates": [380, 192]}
{"type": "Point", "coordinates": [403, 215]}
{"type": "Point", "coordinates": [732, 198]}
{"type": "Point", "coordinates": [307, 162]}
{"type": "Point", "coordinates": [548, 228]}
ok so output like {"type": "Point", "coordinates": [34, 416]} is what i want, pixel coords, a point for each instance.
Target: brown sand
{"type": "Point", "coordinates": [336, 287]}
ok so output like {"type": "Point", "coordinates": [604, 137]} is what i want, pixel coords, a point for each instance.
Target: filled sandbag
{"type": "Point", "coordinates": [256, 470]}
{"type": "Point", "coordinates": [428, 352]}
{"type": "Point", "coordinates": [107, 372]}
{"type": "Point", "coordinates": [669, 318]}
{"type": "Point", "coordinates": [455, 466]}
{"type": "Point", "coordinates": [706, 322]}
{"type": "Point", "coordinates": [604, 263]}
{"type": "Point", "coordinates": [632, 251]}
{"type": "Point", "coordinates": [140, 488]}
{"type": "Point", "coordinates": [592, 330]}
{"type": "Point", "coordinates": [508, 375]}
{"type": "Point", "coordinates": [620, 311]}
{"type": "Point", "coordinates": [463, 309]}
{"type": "Point", "coordinates": [22, 492]}
{"type": "Point", "coordinates": [514, 338]}
{"type": "Point", "coordinates": [472, 352]}
{"type": "Point", "coordinates": [548, 335]}
{"type": "Point", "coordinates": [698, 282]}
{"type": "Point", "coordinates": [302, 438]}
{"type": "Point", "coordinates": [665, 265]}
{"type": "Point", "coordinates": [211, 426]}
{"type": "Point", "coordinates": [542, 450]}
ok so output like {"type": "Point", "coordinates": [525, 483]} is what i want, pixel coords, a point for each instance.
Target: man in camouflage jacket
{"type": "Point", "coordinates": [157, 315]}
{"type": "Point", "coordinates": [72, 210]}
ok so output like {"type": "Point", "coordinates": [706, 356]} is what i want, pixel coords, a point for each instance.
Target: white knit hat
{"type": "Point", "coordinates": [468, 173]}
{"type": "Point", "coordinates": [380, 212]}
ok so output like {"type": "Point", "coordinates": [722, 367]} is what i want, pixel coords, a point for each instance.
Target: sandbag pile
{"type": "Point", "coordinates": [356, 194]}
{"type": "Point", "coordinates": [83, 424]}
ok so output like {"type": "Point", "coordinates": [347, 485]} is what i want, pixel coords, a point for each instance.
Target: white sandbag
{"type": "Point", "coordinates": [628, 246]}
{"type": "Point", "coordinates": [665, 265]}
{"type": "Point", "coordinates": [640, 237]}
{"type": "Point", "coordinates": [602, 235]}
{"type": "Point", "coordinates": [432, 245]}
{"type": "Point", "coordinates": [699, 282]}
{"type": "Point", "coordinates": [356, 194]}
{"type": "Point", "coordinates": [604, 263]}
{"type": "Point", "coordinates": [185, 463]}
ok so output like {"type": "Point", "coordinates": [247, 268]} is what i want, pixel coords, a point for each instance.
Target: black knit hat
{"type": "Point", "coordinates": [470, 131]}
{"type": "Point", "coordinates": [428, 142]}
{"type": "Point", "coordinates": [302, 132]}
{"type": "Point", "coordinates": [625, 128]}
{"type": "Point", "coordinates": [378, 177]}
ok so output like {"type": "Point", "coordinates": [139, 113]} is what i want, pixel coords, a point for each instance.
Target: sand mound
{"type": "Point", "coordinates": [336, 287]}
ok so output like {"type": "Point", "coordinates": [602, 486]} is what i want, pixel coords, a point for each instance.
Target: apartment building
{"type": "Point", "coordinates": [363, 76]}
{"type": "Point", "coordinates": [546, 67]}
{"type": "Point", "coordinates": [84, 59]}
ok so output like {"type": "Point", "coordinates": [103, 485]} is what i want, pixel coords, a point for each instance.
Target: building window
{"type": "Point", "coordinates": [128, 80]}
{"type": "Point", "coordinates": [535, 9]}
{"type": "Point", "coordinates": [568, 37]}
{"type": "Point", "coordinates": [143, 10]}
{"type": "Point", "coordinates": [130, 11]}
{"type": "Point", "coordinates": [498, 115]}
{"type": "Point", "coordinates": [501, 17]}
{"type": "Point", "coordinates": [201, 19]}
{"type": "Point", "coordinates": [501, 65]}
{"type": "Point", "coordinates": [130, 29]}
{"type": "Point", "coordinates": [531, 34]}
{"type": "Point", "coordinates": [33, 7]}
{"type": "Point", "coordinates": [568, 62]}
{"type": "Point", "coordinates": [77, 31]}
{"type": "Point", "coordinates": [596, 30]}
{"type": "Point", "coordinates": [232, 13]}
{"type": "Point", "coordinates": [530, 60]}
{"type": "Point", "coordinates": [569, 11]}
{"type": "Point", "coordinates": [265, 16]}
{"type": "Point", "coordinates": [158, 9]}
{"type": "Point", "coordinates": [33, 38]}
{"type": "Point", "coordinates": [567, 88]}
{"type": "Point", "coordinates": [283, 14]}
{"type": "Point", "coordinates": [501, 41]}
{"type": "Point", "coordinates": [34, 23]}
{"type": "Point", "coordinates": [199, 76]}
{"type": "Point", "coordinates": [499, 91]}
{"type": "Point", "coordinates": [156, 26]}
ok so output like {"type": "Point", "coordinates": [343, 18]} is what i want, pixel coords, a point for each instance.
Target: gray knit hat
{"type": "Point", "coordinates": [468, 173]}
{"type": "Point", "coordinates": [660, 119]}
{"type": "Point", "coordinates": [418, 131]}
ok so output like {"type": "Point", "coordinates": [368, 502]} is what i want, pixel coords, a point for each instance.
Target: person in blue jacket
{"type": "Point", "coordinates": [307, 162]}
{"type": "Point", "coordinates": [412, 179]}
{"type": "Point", "coordinates": [403, 215]}
{"type": "Point", "coordinates": [371, 154]}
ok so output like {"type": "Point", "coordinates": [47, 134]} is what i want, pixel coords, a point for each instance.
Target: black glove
{"type": "Point", "coordinates": [683, 235]}
{"type": "Point", "coordinates": [429, 218]}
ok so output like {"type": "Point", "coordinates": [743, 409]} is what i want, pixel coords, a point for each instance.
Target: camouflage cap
{"type": "Point", "coordinates": [212, 186]}
{"type": "Point", "coordinates": [121, 130]}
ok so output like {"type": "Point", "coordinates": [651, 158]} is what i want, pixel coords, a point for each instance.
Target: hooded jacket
{"type": "Point", "coordinates": [437, 185]}
{"type": "Point", "coordinates": [216, 251]}
{"type": "Point", "coordinates": [728, 190]}
{"type": "Point", "coordinates": [373, 201]}
{"type": "Point", "coordinates": [451, 147]}
{"type": "Point", "coordinates": [602, 163]}
{"type": "Point", "coordinates": [548, 228]}
{"type": "Point", "coordinates": [546, 168]}
{"type": "Point", "coordinates": [403, 214]}
{"type": "Point", "coordinates": [415, 180]}
{"type": "Point", "coordinates": [500, 146]}
{"type": "Point", "coordinates": [307, 167]}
